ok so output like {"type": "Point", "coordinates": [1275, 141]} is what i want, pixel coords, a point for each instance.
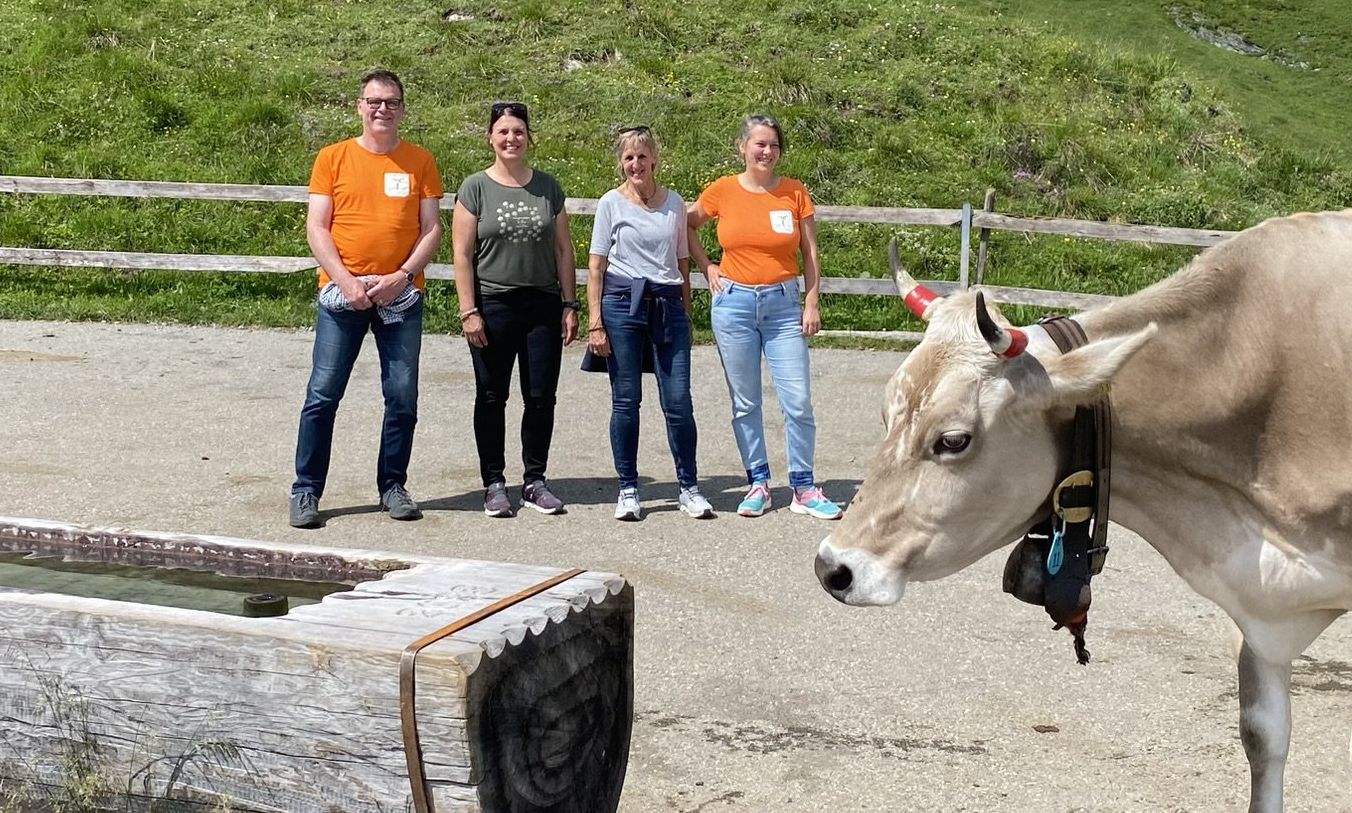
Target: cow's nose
{"type": "Point", "coordinates": [835, 576]}
{"type": "Point", "coordinates": [857, 577]}
{"type": "Point", "coordinates": [839, 580]}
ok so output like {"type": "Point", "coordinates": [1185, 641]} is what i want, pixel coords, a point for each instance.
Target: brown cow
{"type": "Point", "coordinates": [1231, 384]}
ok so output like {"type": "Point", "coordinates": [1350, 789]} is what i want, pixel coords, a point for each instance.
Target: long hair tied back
{"type": "Point", "coordinates": [761, 120]}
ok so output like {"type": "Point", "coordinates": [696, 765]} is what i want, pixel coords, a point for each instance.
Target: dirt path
{"type": "Point", "coordinates": [755, 691]}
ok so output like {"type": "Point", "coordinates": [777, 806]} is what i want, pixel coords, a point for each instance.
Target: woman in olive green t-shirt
{"type": "Point", "coordinates": [516, 282]}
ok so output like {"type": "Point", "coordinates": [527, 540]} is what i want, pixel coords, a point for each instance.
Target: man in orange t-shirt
{"type": "Point", "coordinates": [374, 223]}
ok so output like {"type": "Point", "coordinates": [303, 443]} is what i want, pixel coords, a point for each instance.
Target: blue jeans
{"type": "Point", "coordinates": [754, 320]}
{"type": "Point", "coordinates": [338, 340]}
{"type": "Point", "coordinates": [630, 338]}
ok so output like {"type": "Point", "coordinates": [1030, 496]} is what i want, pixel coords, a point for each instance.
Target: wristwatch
{"type": "Point", "coordinates": [409, 275]}
{"type": "Point", "coordinates": [572, 305]}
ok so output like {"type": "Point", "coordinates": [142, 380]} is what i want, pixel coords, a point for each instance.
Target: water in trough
{"type": "Point", "coordinates": [162, 586]}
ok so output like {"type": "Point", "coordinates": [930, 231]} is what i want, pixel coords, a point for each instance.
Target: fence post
{"type": "Point", "coordinates": [984, 242]}
{"type": "Point", "coordinates": [966, 245]}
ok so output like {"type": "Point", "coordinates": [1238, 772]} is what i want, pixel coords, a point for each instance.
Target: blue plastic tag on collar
{"type": "Point", "coordinates": [1056, 555]}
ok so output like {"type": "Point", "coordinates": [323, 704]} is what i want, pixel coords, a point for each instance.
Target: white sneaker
{"type": "Point", "coordinates": [627, 507]}
{"type": "Point", "coordinates": [693, 503]}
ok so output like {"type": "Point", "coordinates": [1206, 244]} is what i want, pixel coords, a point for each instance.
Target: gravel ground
{"type": "Point", "coordinates": [755, 691]}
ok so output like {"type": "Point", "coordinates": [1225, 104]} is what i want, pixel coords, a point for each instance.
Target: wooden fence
{"type": "Point", "coordinates": [965, 219]}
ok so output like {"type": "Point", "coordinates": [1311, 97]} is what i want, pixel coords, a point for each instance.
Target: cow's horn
{"type": "Point", "coordinates": [917, 297]}
{"type": "Point", "coordinates": [1005, 342]}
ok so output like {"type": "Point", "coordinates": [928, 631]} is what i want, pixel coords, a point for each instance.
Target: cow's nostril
{"type": "Point", "coordinates": [839, 579]}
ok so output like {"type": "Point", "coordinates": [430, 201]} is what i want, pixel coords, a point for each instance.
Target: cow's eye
{"type": "Point", "coordinates": [952, 442]}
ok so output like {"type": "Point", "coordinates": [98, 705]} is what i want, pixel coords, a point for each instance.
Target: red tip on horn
{"type": "Point", "coordinates": [919, 300]}
{"type": "Point", "coordinates": [1015, 341]}
{"type": "Point", "coordinates": [917, 297]}
{"type": "Point", "coordinates": [1005, 342]}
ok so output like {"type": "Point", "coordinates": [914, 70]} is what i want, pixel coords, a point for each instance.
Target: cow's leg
{"type": "Point", "coordinates": [1265, 700]}
{"type": "Point", "coordinates": [1264, 726]}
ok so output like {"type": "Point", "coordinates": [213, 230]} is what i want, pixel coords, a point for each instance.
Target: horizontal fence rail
{"type": "Point", "coordinates": [1094, 230]}
{"type": "Point", "coordinates": [444, 271]}
{"type": "Point", "coordinates": [964, 218]}
{"type": "Point", "coordinates": [19, 184]}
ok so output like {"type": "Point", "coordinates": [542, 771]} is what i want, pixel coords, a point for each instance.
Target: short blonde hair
{"type": "Point", "coordinates": [634, 137]}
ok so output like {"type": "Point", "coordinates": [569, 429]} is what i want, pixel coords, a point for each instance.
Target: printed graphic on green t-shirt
{"type": "Point", "coordinates": [515, 239]}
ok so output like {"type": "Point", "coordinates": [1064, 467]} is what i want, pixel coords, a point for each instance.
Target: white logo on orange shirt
{"type": "Point", "coordinates": [781, 221]}
{"type": "Point", "coordinates": [396, 184]}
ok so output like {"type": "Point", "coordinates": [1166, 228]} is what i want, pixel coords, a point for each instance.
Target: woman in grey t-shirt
{"type": "Point", "coordinates": [515, 279]}
{"type": "Point", "coordinates": [638, 292]}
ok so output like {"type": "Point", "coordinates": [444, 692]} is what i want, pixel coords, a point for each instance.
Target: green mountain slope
{"type": "Point", "coordinates": [1076, 108]}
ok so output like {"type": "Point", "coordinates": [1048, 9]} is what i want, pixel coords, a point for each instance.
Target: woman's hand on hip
{"type": "Point", "coordinates": [473, 328]}
{"type": "Point", "coordinates": [569, 326]}
{"type": "Point", "coordinates": [812, 320]}
{"type": "Point", "coordinates": [714, 274]}
{"type": "Point", "coordinates": [597, 341]}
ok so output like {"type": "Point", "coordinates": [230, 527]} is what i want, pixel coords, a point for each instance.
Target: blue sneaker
{"type": "Point", "coordinates": [756, 501]}
{"type": "Point", "coordinates": [813, 502]}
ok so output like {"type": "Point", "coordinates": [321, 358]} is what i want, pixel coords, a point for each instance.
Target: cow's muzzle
{"type": "Point", "coordinates": [856, 577]}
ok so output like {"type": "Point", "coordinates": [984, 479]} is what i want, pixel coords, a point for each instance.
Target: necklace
{"type": "Point", "coordinates": [639, 194]}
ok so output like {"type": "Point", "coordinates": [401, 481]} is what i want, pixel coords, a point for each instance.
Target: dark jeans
{"type": "Point", "coordinates": [523, 326]}
{"type": "Point", "coordinates": [338, 340]}
{"type": "Point", "coordinates": [630, 337]}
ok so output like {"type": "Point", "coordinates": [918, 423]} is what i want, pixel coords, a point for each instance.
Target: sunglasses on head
{"type": "Point", "coordinates": [639, 129]}
{"type": "Point", "coordinates": [516, 109]}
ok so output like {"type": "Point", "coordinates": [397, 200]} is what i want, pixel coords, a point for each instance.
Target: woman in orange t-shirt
{"type": "Point", "coordinates": [765, 224]}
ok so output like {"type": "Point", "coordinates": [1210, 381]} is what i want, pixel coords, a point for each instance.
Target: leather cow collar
{"type": "Point", "coordinates": [1054, 562]}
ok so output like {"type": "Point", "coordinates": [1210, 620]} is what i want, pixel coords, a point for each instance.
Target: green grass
{"type": "Point", "coordinates": [1074, 108]}
{"type": "Point", "coordinates": [1296, 94]}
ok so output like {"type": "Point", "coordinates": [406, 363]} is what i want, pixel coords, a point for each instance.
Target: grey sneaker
{"type": "Point", "coordinates": [304, 510]}
{"type": "Point", "coordinates": [538, 496]}
{"type": "Point", "coordinates": [496, 502]}
{"type": "Point", "coordinates": [627, 507]}
{"type": "Point", "coordinates": [693, 503]}
{"type": "Point", "coordinates": [399, 504]}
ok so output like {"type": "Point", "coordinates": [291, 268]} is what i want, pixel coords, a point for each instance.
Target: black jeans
{"type": "Point", "coordinates": [523, 326]}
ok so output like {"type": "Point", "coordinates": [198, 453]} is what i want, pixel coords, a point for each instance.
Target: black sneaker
{"type": "Point", "coordinates": [538, 496]}
{"type": "Point", "coordinates": [496, 502]}
{"type": "Point", "coordinates": [304, 510]}
{"type": "Point", "coordinates": [399, 504]}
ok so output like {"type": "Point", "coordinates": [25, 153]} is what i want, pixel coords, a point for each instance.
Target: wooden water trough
{"type": "Point", "coordinates": [522, 708]}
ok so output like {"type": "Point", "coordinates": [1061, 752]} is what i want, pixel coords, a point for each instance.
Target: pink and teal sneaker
{"type": "Point", "coordinates": [756, 501]}
{"type": "Point", "coordinates": [813, 502]}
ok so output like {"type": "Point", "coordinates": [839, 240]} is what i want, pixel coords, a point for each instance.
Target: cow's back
{"type": "Point", "coordinates": [1249, 381]}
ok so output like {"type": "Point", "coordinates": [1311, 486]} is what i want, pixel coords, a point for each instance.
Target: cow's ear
{"type": "Point", "coordinates": [1083, 375]}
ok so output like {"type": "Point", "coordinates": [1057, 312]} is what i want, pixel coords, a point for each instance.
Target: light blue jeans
{"type": "Point", "coordinates": [754, 320]}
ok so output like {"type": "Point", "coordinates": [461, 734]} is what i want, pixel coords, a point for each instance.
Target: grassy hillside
{"type": "Point", "coordinates": [1292, 87]}
{"type": "Point", "coordinates": [1078, 108]}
